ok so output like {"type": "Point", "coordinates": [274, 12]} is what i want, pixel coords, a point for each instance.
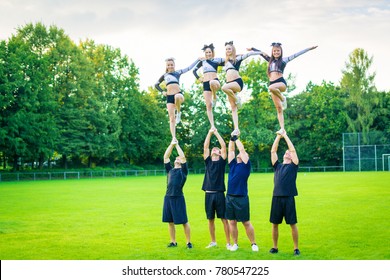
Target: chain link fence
{"type": "Point", "coordinates": [370, 152]}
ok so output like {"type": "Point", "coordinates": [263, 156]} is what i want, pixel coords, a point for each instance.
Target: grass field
{"type": "Point", "coordinates": [341, 216]}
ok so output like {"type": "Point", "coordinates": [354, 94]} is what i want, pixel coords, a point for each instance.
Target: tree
{"type": "Point", "coordinates": [382, 114]}
{"type": "Point", "coordinates": [108, 70]}
{"type": "Point", "coordinates": [316, 121]}
{"type": "Point", "coordinates": [3, 97]}
{"type": "Point", "coordinates": [145, 131]}
{"type": "Point", "coordinates": [358, 83]}
{"type": "Point", "coordinates": [72, 82]}
{"type": "Point", "coordinates": [31, 129]}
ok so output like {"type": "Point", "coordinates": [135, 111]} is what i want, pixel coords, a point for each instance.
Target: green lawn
{"type": "Point", "coordinates": [341, 216]}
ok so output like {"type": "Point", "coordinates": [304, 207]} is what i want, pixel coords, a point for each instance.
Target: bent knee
{"type": "Point", "coordinates": [273, 89]}
{"type": "Point", "coordinates": [225, 87]}
{"type": "Point", "coordinates": [215, 85]}
{"type": "Point", "coordinates": [179, 97]}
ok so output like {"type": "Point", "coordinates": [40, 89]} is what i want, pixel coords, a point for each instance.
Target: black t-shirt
{"type": "Point", "coordinates": [285, 179]}
{"type": "Point", "coordinates": [214, 177]}
{"type": "Point", "coordinates": [176, 178]}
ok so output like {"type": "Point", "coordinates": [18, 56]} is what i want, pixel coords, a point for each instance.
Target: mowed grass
{"type": "Point", "coordinates": [341, 216]}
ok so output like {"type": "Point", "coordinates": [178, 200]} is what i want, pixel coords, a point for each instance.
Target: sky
{"type": "Point", "coordinates": [148, 31]}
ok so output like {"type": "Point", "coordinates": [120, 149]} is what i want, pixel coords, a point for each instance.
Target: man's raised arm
{"type": "Point", "coordinates": [274, 149]}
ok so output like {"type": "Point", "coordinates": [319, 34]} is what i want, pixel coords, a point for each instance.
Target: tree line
{"type": "Point", "coordinates": [80, 105]}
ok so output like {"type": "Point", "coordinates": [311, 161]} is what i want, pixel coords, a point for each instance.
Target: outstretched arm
{"type": "Point", "coordinates": [245, 56]}
{"type": "Point", "coordinates": [231, 152]}
{"type": "Point", "coordinates": [182, 71]}
{"type": "Point", "coordinates": [168, 152]}
{"type": "Point", "coordinates": [243, 153]}
{"type": "Point", "coordinates": [291, 57]}
{"type": "Point", "coordinates": [253, 49]}
{"type": "Point", "coordinates": [274, 149]}
{"type": "Point", "coordinates": [181, 154]}
{"type": "Point", "coordinates": [291, 148]}
{"type": "Point", "coordinates": [206, 144]}
{"type": "Point", "coordinates": [221, 143]}
{"type": "Point", "coordinates": [262, 54]}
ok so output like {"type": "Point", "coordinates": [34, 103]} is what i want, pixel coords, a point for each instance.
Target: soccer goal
{"type": "Point", "coordinates": [386, 162]}
{"type": "Point", "coordinates": [368, 153]}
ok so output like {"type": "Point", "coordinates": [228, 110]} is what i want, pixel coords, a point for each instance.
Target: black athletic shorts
{"type": "Point", "coordinates": [237, 208]}
{"type": "Point", "coordinates": [174, 210]}
{"type": "Point", "coordinates": [206, 85]}
{"type": "Point", "coordinates": [280, 80]}
{"type": "Point", "coordinates": [283, 206]}
{"type": "Point", "coordinates": [215, 203]}
{"type": "Point", "coordinates": [239, 81]}
{"type": "Point", "coordinates": [171, 97]}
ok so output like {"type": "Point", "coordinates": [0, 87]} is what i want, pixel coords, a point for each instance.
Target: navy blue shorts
{"type": "Point", "coordinates": [215, 203]}
{"type": "Point", "coordinates": [237, 208]}
{"type": "Point", "coordinates": [174, 210]}
{"type": "Point", "coordinates": [283, 206]}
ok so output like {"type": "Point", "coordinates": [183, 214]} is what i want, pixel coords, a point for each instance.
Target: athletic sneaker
{"type": "Point", "coordinates": [212, 244]}
{"type": "Point", "coordinates": [228, 246]}
{"type": "Point", "coordinates": [189, 245]}
{"type": "Point", "coordinates": [255, 248]}
{"type": "Point", "coordinates": [213, 101]}
{"type": "Point", "coordinates": [178, 117]}
{"type": "Point", "coordinates": [274, 250]}
{"type": "Point", "coordinates": [234, 247]}
{"type": "Point", "coordinates": [297, 252]}
{"type": "Point", "coordinates": [284, 103]}
{"type": "Point", "coordinates": [238, 101]}
{"type": "Point", "coordinates": [236, 132]}
{"type": "Point", "coordinates": [172, 244]}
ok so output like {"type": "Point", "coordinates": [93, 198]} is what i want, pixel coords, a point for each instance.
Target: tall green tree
{"type": "Point", "coordinates": [358, 83]}
{"type": "Point", "coordinates": [72, 82]}
{"type": "Point", "coordinates": [3, 90]}
{"type": "Point", "coordinates": [382, 113]}
{"type": "Point", "coordinates": [108, 70]}
{"type": "Point", "coordinates": [31, 128]}
{"type": "Point", "coordinates": [316, 123]}
{"type": "Point", "coordinates": [145, 132]}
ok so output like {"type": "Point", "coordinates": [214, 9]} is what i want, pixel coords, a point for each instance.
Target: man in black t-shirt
{"type": "Point", "coordinates": [214, 185]}
{"type": "Point", "coordinates": [285, 190]}
{"type": "Point", "coordinates": [174, 210]}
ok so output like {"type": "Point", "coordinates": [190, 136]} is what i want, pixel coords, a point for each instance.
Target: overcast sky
{"type": "Point", "coordinates": [148, 31]}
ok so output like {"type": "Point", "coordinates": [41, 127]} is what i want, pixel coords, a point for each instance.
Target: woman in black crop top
{"type": "Point", "coordinates": [210, 79]}
{"type": "Point", "coordinates": [234, 83]}
{"type": "Point", "coordinates": [277, 84]}
{"type": "Point", "coordinates": [173, 93]}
